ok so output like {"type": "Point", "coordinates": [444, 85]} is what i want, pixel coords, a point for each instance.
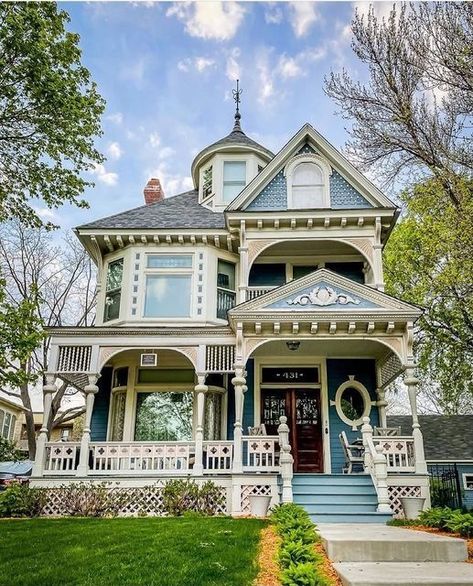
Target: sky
{"type": "Point", "coordinates": [166, 71]}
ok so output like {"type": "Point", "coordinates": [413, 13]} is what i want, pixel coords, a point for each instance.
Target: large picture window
{"type": "Point", "coordinates": [113, 290]}
{"type": "Point", "coordinates": [164, 416]}
{"type": "Point", "coordinates": [234, 179]}
{"type": "Point", "coordinates": [168, 285]}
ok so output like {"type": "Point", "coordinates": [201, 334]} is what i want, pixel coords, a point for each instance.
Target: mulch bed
{"type": "Point", "coordinates": [469, 542]}
{"type": "Point", "coordinates": [327, 566]}
{"type": "Point", "coordinates": [268, 566]}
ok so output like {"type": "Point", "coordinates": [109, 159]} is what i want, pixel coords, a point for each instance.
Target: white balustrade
{"type": "Point", "coordinates": [253, 292]}
{"type": "Point", "coordinates": [149, 457]}
{"type": "Point", "coordinates": [399, 452]}
{"type": "Point", "coordinates": [376, 465]}
{"type": "Point", "coordinates": [61, 458]}
{"type": "Point", "coordinates": [260, 453]}
{"type": "Point", "coordinates": [218, 456]}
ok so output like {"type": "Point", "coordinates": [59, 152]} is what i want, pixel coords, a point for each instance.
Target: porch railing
{"type": "Point", "coordinates": [260, 453]}
{"type": "Point", "coordinates": [253, 292]}
{"type": "Point", "coordinates": [226, 299]}
{"type": "Point", "coordinates": [399, 452]}
{"type": "Point", "coordinates": [62, 458]}
{"type": "Point", "coordinates": [218, 456]}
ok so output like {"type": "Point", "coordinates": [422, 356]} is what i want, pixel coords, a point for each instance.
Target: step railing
{"type": "Point", "coordinates": [399, 452]}
{"type": "Point", "coordinates": [375, 463]}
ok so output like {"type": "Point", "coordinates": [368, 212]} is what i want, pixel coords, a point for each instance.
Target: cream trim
{"type": "Point", "coordinates": [317, 160]}
{"type": "Point", "coordinates": [352, 383]}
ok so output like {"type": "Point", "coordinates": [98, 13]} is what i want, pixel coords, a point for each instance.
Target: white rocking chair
{"type": "Point", "coordinates": [351, 454]}
{"type": "Point", "coordinates": [386, 431]}
{"type": "Point", "coordinates": [257, 430]}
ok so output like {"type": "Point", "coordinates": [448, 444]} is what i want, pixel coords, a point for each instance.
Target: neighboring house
{"type": "Point", "coordinates": [68, 431]}
{"type": "Point", "coordinates": [452, 453]}
{"type": "Point", "coordinates": [10, 412]}
{"type": "Point", "coordinates": [255, 295]}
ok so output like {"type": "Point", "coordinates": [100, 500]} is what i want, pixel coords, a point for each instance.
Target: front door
{"type": "Point", "coordinates": [302, 409]}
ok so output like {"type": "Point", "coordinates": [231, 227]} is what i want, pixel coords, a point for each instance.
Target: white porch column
{"type": "Point", "coordinates": [377, 257]}
{"type": "Point", "coordinates": [239, 383]}
{"type": "Point", "coordinates": [382, 404]}
{"type": "Point", "coordinates": [286, 461]}
{"type": "Point", "coordinates": [411, 382]}
{"type": "Point", "coordinates": [90, 391]}
{"type": "Point", "coordinates": [48, 391]}
{"type": "Point", "coordinates": [200, 389]}
{"type": "Point", "coordinates": [243, 272]}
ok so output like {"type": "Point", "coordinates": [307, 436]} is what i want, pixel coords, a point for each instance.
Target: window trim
{"type": "Point", "coordinates": [114, 291]}
{"type": "Point", "coordinates": [179, 271]}
{"type": "Point", "coordinates": [352, 383]}
{"type": "Point", "coordinates": [245, 162]}
{"type": "Point", "coordinates": [464, 477]}
{"type": "Point", "coordinates": [326, 171]}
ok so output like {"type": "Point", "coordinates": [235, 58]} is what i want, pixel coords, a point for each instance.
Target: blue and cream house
{"type": "Point", "coordinates": [258, 295]}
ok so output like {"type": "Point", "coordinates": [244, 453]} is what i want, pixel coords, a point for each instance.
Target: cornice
{"type": "Point", "coordinates": [99, 331]}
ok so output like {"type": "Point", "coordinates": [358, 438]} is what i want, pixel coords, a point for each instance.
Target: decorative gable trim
{"type": "Point", "coordinates": [308, 158]}
{"type": "Point", "coordinates": [308, 134]}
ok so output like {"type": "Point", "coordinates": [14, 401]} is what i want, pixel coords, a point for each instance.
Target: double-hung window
{"type": "Point", "coordinates": [7, 424]}
{"type": "Point", "coordinates": [113, 290]}
{"type": "Point", "coordinates": [234, 179]}
{"type": "Point", "coordinates": [168, 280]}
{"type": "Point", "coordinates": [225, 288]}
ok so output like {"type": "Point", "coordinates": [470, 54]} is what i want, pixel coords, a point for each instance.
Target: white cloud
{"type": "Point", "coordinates": [114, 150]}
{"type": "Point", "coordinates": [171, 182]}
{"type": "Point", "coordinates": [273, 14]}
{"type": "Point", "coordinates": [381, 9]}
{"type": "Point", "coordinates": [209, 20]}
{"type": "Point", "coordinates": [46, 214]}
{"type": "Point", "coordinates": [233, 67]}
{"type": "Point", "coordinates": [266, 77]}
{"type": "Point", "coordinates": [302, 16]}
{"type": "Point", "coordinates": [200, 64]}
{"type": "Point", "coordinates": [116, 118]}
{"type": "Point", "coordinates": [166, 152]}
{"type": "Point", "coordinates": [154, 140]}
{"type": "Point", "coordinates": [105, 176]}
{"type": "Point", "coordinates": [288, 67]}
{"type": "Point", "coordinates": [134, 71]}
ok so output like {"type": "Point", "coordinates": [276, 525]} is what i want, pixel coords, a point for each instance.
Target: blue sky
{"type": "Point", "coordinates": [166, 71]}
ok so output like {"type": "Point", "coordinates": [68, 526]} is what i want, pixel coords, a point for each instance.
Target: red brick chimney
{"type": "Point", "coordinates": [153, 191]}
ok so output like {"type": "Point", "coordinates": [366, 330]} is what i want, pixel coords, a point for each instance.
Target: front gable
{"type": "Point", "coordinates": [348, 188]}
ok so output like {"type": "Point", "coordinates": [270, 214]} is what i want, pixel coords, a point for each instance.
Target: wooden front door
{"type": "Point", "coordinates": [302, 409]}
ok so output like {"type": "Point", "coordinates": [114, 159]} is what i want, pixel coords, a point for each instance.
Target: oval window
{"type": "Point", "coordinates": [352, 404]}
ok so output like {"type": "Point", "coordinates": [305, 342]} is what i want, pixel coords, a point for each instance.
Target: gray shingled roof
{"type": "Point", "coordinates": [179, 211]}
{"type": "Point", "coordinates": [446, 437]}
{"type": "Point", "coordinates": [236, 137]}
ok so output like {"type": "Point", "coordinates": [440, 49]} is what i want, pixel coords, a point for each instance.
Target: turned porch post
{"type": "Point", "coordinates": [40, 459]}
{"type": "Point", "coordinates": [200, 389]}
{"type": "Point", "coordinates": [411, 382]}
{"type": "Point", "coordinates": [286, 461]}
{"type": "Point", "coordinates": [90, 391]}
{"type": "Point", "coordinates": [239, 384]}
{"type": "Point", "coordinates": [382, 404]}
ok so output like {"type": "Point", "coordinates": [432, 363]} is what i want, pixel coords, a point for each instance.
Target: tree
{"type": "Point", "coordinates": [411, 125]}
{"type": "Point", "coordinates": [49, 112]}
{"type": "Point", "coordinates": [61, 279]}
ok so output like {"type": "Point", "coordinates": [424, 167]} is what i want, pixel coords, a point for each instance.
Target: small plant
{"type": "Point", "coordinates": [19, 500]}
{"type": "Point", "coordinates": [8, 451]}
{"type": "Point", "coordinates": [461, 523]}
{"type": "Point", "coordinates": [84, 499]}
{"type": "Point", "coordinates": [184, 496]}
{"type": "Point", "coordinates": [295, 552]}
{"type": "Point", "coordinates": [436, 517]}
{"type": "Point", "coordinates": [302, 575]}
{"type": "Point", "coordinates": [403, 522]}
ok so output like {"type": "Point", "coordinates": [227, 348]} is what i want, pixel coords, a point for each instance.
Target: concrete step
{"type": "Point", "coordinates": [349, 517]}
{"type": "Point", "coordinates": [347, 506]}
{"type": "Point", "coordinates": [404, 573]}
{"type": "Point", "coordinates": [336, 499]}
{"type": "Point", "coordinates": [381, 543]}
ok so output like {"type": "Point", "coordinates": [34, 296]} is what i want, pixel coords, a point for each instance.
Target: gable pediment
{"type": "Point", "coordinates": [349, 189]}
{"type": "Point", "coordinates": [322, 292]}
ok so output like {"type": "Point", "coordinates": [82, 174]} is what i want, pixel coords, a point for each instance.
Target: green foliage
{"type": "Point", "coordinates": [50, 111]}
{"type": "Point", "coordinates": [441, 494]}
{"type": "Point", "coordinates": [295, 552]}
{"type": "Point", "coordinates": [402, 522]}
{"type": "Point", "coordinates": [84, 499]}
{"type": "Point", "coordinates": [184, 496]}
{"type": "Point", "coordinates": [19, 500]}
{"type": "Point", "coordinates": [461, 523]}
{"type": "Point", "coordinates": [429, 262]}
{"type": "Point", "coordinates": [302, 575]}
{"type": "Point", "coordinates": [8, 451]}
{"type": "Point", "coordinates": [437, 517]}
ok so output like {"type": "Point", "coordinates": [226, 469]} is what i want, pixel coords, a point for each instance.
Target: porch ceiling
{"type": "Point", "coordinates": [325, 348]}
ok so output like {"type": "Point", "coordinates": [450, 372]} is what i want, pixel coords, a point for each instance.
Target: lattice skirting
{"type": "Point", "coordinates": [124, 501]}
{"type": "Point", "coordinates": [398, 492]}
{"type": "Point", "coordinates": [248, 490]}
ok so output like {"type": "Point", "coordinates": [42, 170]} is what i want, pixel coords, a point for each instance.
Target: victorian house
{"type": "Point", "coordinates": [243, 335]}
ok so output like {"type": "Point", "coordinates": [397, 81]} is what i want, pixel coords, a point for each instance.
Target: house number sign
{"type": "Point", "coordinates": [290, 375]}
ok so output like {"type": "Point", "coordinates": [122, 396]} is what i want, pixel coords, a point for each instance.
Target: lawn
{"type": "Point", "coordinates": [145, 551]}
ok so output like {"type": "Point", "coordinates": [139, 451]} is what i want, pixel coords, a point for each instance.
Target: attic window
{"type": "Point", "coordinates": [307, 179]}
{"type": "Point", "coordinates": [234, 179]}
{"type": "Point", "coordinates": [207, 182]}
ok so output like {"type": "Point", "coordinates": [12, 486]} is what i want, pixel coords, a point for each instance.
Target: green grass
{"type": "Point", "coordinates": [145, 551]}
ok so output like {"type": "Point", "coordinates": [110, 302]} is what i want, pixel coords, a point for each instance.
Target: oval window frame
{"type": "Point", "coordinates": [352, 383]}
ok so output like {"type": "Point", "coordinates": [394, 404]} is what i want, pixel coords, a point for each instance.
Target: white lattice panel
{"type": "Point", "coordinates": [220, 358]}
{"type": "Point", "coordinates": [248, 490]}
{"type": "Point", "coordinates": [74, 358]}
{"type": "Point", "coordinates": [398, 492]}
{"type": "Point", "coordinates": [390, 368]}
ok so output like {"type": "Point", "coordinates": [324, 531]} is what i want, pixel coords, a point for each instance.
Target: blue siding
{"type": "Point", "coordinates": [99, 422]}
{"type": "Point", "coordinates": [248, 405]}
{"type": "Point", "coordinates": [338, 371]}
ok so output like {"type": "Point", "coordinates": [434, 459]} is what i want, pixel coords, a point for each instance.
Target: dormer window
{"type": "Point", "coordinates": [307, 178]}
{"type": "Point", "coordinates": [234, 179]}
{"type": "Point", "coordinates": [207, 182]}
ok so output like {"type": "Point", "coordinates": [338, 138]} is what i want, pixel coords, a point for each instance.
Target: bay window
{"type": "Point", "coordinates": [234, 179]}
{"type": "Point", "coordinates": [168, 283]}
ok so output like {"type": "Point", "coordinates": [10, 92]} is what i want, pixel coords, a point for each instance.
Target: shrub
{"type": "Point", "coordinates": [436, 517]}
{"type": "Point", "coordinates": [8, 451]}
{"type": "Point", "coordinates": [461, 523]}
{"type": "Point", "coordinates": [183, 496]}
{"type": "Point", "coordinates": [19, 500]}
{"type": "Point", "coordinates": [84, 499]}
{"type": "Point", "coordinates": [296, 552]}
{"type": "Point", "coordinates": [302, 575]}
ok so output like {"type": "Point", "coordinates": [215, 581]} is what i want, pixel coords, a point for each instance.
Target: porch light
{"type": "Point", "coordinates": [293, 345]}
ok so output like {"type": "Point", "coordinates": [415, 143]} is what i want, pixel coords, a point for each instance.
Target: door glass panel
{"type": "Point", "coordinates": [307, 410]}
{"type": "Point", "coordinates": [274, 407]}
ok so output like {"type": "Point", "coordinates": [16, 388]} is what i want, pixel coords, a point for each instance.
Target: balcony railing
{"type": "Point", "coordinates": [225, 301]}
{"type": "Point", "coordinates": [253, 292]}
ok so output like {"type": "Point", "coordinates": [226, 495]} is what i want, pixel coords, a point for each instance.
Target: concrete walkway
{"type": "Point", "coordinates": [378, 555]}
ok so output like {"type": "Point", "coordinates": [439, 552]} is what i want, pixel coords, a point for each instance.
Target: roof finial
{"type": "Point", "coordinates": [236, 96]}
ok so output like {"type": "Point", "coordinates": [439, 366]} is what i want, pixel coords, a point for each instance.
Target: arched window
{"type": "Point", "coordinates": [307, 179]}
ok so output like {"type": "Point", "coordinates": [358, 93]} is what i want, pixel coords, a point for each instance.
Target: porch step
{"type": "Point", "coordinates": [338, 498]}
{"type": "Point", "coordinates": [404, 574]}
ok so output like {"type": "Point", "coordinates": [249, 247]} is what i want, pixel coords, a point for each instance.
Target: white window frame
{"type": "Point", "coordinates": [352, 383]}
{"type": "Point", "coordinates": [465, 476]}
{"type": "Point", "coordinates": [325, 169]}
{"type": "Point", "coordinates": [235, 160]}
{"type": "Point", "coordinates": [189, 271]}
